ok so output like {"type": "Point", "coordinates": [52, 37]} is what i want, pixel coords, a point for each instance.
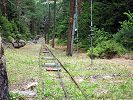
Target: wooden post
{"type": "Point", "coordinates": [53, 39]}
{"type": "Point", "coordinates": [4, 93]}
{"type": "Point", "coordinates": [49, 22]}
{"type": "Point", "coordinates": [69, 36]}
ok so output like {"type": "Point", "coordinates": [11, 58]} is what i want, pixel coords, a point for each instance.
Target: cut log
{"type": "Point", "coordinates": [48, 58]}
{"type": "Point", "coordinates": [45, 51]}
{"type": "Point", "coordinates": [53, 69]}
{"type": "Point", "coordinates": [51, 65]}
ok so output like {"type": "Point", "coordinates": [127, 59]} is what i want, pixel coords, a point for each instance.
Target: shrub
{"type": "Point", "coordinates": [107, 49]}
{"type": "Point", "coordinates": [125, 34]}
{"type": "Point", "coordinates": [15, 96]}
{"type": "Point", "coordinates": [61, 41]}
{"type": "Point", "coordinates": [100, 35]}
{"type": "Point", "coordinates": [6, 26]}
{"type": "Point", "coordinates": [10, 39]}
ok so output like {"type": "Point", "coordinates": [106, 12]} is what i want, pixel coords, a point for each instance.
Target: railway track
{"type": "Point", "coordinates": [52, 66]}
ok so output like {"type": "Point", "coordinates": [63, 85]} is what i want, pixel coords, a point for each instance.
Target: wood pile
{"type": "Point", "coordinates": [19, 44]}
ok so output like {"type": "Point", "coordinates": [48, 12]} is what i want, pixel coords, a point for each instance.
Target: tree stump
{"type": "Point", "coordinates": [4, 93]}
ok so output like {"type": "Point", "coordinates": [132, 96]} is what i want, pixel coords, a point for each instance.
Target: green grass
{"type": "Point", "coordinates": [22, 64]}
{"type": "Point", "coordinates": [97, 81]}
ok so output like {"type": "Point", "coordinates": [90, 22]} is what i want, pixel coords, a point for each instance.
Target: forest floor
{"type": "Point", "coordinates": [105, 79]}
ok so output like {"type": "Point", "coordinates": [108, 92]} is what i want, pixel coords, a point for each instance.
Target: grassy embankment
{"type": "Point", "coordinates": [106, 79]}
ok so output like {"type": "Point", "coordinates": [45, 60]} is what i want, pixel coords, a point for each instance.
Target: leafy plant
{"type": "Point", "coordinates": [15, 96]}
{"type": "Point", "coordinates": [125, 34]}
{"type": "Point", "coordinates": [108, 49]}
{"type": "Point", "coordinates": [6, 26]}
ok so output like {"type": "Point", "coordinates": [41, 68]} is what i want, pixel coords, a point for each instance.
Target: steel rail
{"type": "Point", "coordinates": [42, 82]}
{"type": "Point", "coordinates": [67, 73]}
{"type": "Point", "coordinates": [61, 81]}
{"type": "Point", "coordinates": [59, 75]}
{"type": "Point", "coordinates": [63, 86]}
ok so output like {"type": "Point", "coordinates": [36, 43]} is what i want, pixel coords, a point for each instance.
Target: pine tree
{"type": "Point", "coordinates": [4, 93]}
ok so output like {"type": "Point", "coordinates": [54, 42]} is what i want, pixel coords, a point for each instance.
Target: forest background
{"type": "Point", "coordinates": [113, 23]}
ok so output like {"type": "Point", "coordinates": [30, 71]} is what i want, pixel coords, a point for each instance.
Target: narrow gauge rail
{"type": "Point", "coordinates": [56, 66]}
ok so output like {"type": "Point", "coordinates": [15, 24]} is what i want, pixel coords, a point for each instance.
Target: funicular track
{"type": "Point", "coordinates": [51, 64]}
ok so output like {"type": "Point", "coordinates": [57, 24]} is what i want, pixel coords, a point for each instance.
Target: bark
{"type": "Point", "coordinates": [3, 4]}
{"type": "Point", "coordinates": [49, 23]}
{"type": "Point", "coordinates": [69, 36]}
{"type": "Point", "coordinates": [53, 40]}
{"type": "Point", "coordinates": [80, 5]}
{"type": "Point", "coordinates": [4, 93]}
{"type": "Point", "coordinates": [32, 26]}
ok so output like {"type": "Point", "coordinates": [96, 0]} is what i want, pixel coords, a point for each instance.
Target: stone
{"type": "Point", "coordinates": [31, 85]}
{"type": "Point", "coordinates": [25, 93]}
{"type": "Point", "coordinates": [51, 65]}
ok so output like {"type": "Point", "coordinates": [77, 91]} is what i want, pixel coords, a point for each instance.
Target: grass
{"type": "Point", "coordinates": [22, 64]}
{"type": "Point", "coordinates": [104, 80]}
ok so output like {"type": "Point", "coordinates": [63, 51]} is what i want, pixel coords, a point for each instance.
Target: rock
{"type": "Point", "coordinates": [29, 43]}
{"type": "Point", "coordinates": [128, 56]}
{"type": "Point", "coordinates": [40, 40]}
{"type": "Point", "coordinates": [79, 79]}
{"type": "Point", "coordinates": [95, 76]}
{"type": "Point", "coordinates": [31, 85]}
{"type": "Point", "coordinates": [101, 91]}
{"type": "Point", "coordinates": [93, 80]}
{"type": "Point", "coordinates": [18, 44]}
{"type": "Point", "coordinates": [117, 81]}
{"type": "Point", "coordinates": [26, 93]}
{"type": "Point", "coordinates": [107, 77]}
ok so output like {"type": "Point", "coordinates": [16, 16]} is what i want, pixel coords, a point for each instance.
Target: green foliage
{"type": "Point", "coordinates": [10, 38]}
{"type": "Point", "coordinates": [24, 31]}
{"type": "Point", "coordinates": [107, 46]}
{"type": "Point", "coordinates": [15, 96]}
{"type": "Point", "coordinates": [61, 42]}
{"type": "Point", "coordinates": [10, 29]}
{"type": "Point", "coordinates": [84, 23]}
{"type": "Point", "coordinates": [106, 16]}
{"type": "Point", "coordinates": [23, 18]}
{"type": "Point", "coordinates": [125, 34]}
{"type": "Point", "coordinates": [108, 49]}
{"type": "Point", "coordinates": [62, 21]}
{"type": "Point", "coordinates": [100, 35]}
{"type": "Point", "coordinates": [6, 26]}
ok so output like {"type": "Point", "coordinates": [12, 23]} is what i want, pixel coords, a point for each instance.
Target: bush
{"type": "Point", "coordinates": [10, 39]}
{"type": "Point", "coordinates": [6, 26]}
{"type": "Point", "coordinates": [10, 29]}
{"type": "Point", "coordinates": [15, 96]}
{"type": "Point", "coordinates": [61, 41]}
{"type": "Point", "coordinates": [125, 34]}
{"type": "Point", "coordinates": [100, 35]}
{"type": "Point", "coordinates": [107, 49]}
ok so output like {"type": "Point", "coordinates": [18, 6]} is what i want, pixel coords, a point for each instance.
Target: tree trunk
{"type": "Point", "coordinates": [3, 4]}
{"type": "Point", "coordinates": [49, 22]}
{"type": "Point", "coordinates": [80, 6]}
{"type": "Point", "coordinates": [69, 36]}
{"type": "Point", "coordinates": [4, 93]}
{"type": "Point", "coordinates": [53, 39]}
{"type": "Point", "coordinates": [32, 26]}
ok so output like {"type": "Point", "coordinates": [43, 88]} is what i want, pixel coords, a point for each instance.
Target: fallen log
{"type": "Point", "coordinates": [18, 44]}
